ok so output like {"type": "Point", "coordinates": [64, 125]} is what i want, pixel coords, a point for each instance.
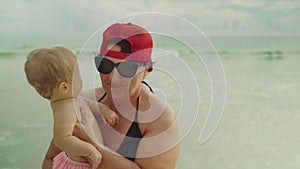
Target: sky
{"type": "Point", "coordinates": [83, 17]}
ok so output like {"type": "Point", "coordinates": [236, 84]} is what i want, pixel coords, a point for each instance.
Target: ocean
{"type": "Point", "coordinates": [260, 122]}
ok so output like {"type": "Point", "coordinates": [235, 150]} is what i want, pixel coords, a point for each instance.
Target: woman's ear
{"type": "Point", "coordinates": [149, 67]}
{"type": "Point", "coordinates": [63, 87]}
{"type": "Point", "coordinates": [145, 73]}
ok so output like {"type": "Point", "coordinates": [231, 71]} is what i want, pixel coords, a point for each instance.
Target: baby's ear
{"type": "Point", "coordinates": [63, 87]}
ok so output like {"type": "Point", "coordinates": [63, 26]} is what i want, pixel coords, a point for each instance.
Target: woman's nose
{"type": "Point", "coordinates": [114, 74]}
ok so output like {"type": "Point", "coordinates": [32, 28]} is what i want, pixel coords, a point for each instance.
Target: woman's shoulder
{"type": "Point", "coordinates": [163, 108]}
{"type": "Point", "coordinates": [93, 94]}
{"type": "Point", "coordinates": [159, 118]}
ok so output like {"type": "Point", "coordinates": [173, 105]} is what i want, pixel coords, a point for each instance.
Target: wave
{"type": "Point", "coordinates": [270, 54]}
{"type": "Point", "coordinates": [8, 54]}
{"type": "Point", "coordinates": [8, 139]}
{"type": "Point", "coordinates": [25, 47]}
{"type": "Point", "coordinates": [265, 54]}
{"type": "Point", "coordinates": [23, 50]}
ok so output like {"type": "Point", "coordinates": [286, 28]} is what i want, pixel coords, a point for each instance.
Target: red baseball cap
{"type": "Point", "coordinates": [140, 41]}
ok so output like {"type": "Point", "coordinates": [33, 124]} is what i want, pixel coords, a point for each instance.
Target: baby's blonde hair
{"type": "Point", "coordinates": [45, 68]}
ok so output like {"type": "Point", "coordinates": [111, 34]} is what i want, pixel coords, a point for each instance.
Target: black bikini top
{"type": "Point", "coordinates": [133, 137]}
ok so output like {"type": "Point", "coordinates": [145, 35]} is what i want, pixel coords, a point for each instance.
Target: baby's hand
{"type": "Point", "coordinates": [109, 116]}
{"type": "Point", "coordinates": [94, 158]}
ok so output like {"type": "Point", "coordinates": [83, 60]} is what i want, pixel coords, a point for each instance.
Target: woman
{"type": "Point", "coordinates": [146, 134]}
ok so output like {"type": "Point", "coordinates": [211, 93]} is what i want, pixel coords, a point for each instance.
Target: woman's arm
{"type": "Point", "coordinates": [160, 147]}
{"type": "Point", "coordinates": [110, 159]}
{"type": "Point", "coordinates": [115, 161]}
{"type": "Point", "coordinates": [51, 153]}
{"type": "Point", "coordinates": [166, 160]}
{"type": "Point", "coordinates": [163, 130]}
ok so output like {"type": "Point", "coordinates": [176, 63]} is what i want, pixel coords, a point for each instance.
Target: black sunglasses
{"type": "Point", "coordinates": [126, 69]}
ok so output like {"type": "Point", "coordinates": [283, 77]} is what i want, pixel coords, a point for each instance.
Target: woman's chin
{"type": "Point", "coordinates": [119, 93]}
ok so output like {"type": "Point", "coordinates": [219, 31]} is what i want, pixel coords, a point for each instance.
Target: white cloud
{"type": "Point", "coordinates": [227, 14]}
{"type": "Point", "coordinates": [246, 3]}
{"type": "Point", "coordinates": [59, 17]}
{"type": "Point", "coordinates": [283, 5]}
{"type": "Point", "coordinates": [84, 17]}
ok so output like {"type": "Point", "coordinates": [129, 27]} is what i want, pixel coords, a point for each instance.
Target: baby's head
{"type": "Point", "coordinates": [46, 68]}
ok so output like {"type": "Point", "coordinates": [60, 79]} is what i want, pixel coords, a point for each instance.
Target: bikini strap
{"type": "Point", "coordinates": [137, 109]}
{"type": "Point", "coordinates": [137, 105]}
{"type": "Point", "coordinates": [102, 97]}
{"type": "Point", "coordinates": [145, 83]}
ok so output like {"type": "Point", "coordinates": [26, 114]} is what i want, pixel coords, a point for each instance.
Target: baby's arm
{"type": "Point", "coordinates": [64, 122]}
{"type": "Point", "coordinates": [107, 114]}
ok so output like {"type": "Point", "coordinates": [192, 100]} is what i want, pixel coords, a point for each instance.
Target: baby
{"type": "Point", "coordinates": [54, 73]}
